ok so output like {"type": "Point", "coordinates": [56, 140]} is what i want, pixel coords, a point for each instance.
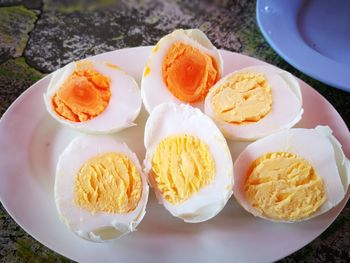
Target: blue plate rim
{"type": "Point", "coordinates": [323, 69]}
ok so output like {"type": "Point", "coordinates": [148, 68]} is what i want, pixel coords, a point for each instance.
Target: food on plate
{"type": "Point", "coordinates": [253, 102]}
{"type": "Point", "coordinates": [93, 96]}
{"type": "Point", "coordinates": [100, 190]}
{"type": "Point", "coordinates": [182, 67]}
{"type": "Point", "coordinates": [292, 175]}
{"type": "Point", "coordinates": [188, 162]}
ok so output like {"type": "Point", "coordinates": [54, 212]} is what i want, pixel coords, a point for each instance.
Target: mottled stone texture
{"type": "Point", "coordinates": [15, 77]}
{"type": "Point", "coordinates": [15, 24]}
{"type": "Point", "coordinates": [41, 36]}
{"type": "Point", "coordinates": [32, 4]}
{"type": "Point", "coordinates": [63, 35]}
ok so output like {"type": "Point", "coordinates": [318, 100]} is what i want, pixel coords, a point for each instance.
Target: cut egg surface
{"type": "Point", "coordinates": [254, 102]}
{"type": "Point", "coordinates": [100, 189]}
{"type": "Point", "coordinates": [188, 162]}
{"type": "Point", "coordinates": [93, 96]}
{"type": "Point", "coordinates": [292, 175]}
{"type": "Point", "coordinates": [182, 68]}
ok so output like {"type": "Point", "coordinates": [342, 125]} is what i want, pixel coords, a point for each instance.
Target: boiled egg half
{"type": "Point", "coordinates": [188, 162]}
{"type": "Point", "coordinates": [100, 189]}
{"type": "Point", "coordinates": [292, 175]}
{"type": "Point", "coordinates": [253, 102]}
{"type": "Point", "coordinates": [182, 67]}
{"type": "Point", "coordinates": [93, 96]}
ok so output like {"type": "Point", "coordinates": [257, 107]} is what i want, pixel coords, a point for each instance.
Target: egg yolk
{"type": "Point", "coordinates": [243, 98]}
{"type": "Point", "coordinates": [188, 72]}
{"type": "Point", "coordinates": [284, 186]}
{"type": "Point", "coordinates": [181, 165]}
{"type": "Point", "coordinates": [108, 183]}
{"type": "Point", "coordinates": [84, 95]}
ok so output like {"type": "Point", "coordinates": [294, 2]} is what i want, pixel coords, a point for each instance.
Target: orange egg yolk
{"type": "Point", "coordinates": [188, 72]}
{"type": "Point", "coordinates": [84, 95]}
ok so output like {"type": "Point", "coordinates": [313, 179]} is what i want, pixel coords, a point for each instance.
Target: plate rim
{"type": "Point", "coordinates": [328, 74]}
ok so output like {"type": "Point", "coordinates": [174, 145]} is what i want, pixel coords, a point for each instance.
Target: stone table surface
{"type": "Point", "coordinates": [40, 36]}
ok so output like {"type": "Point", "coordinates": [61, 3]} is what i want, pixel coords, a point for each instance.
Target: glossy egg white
{"type": "Point", "coordinates": [100, 226]}
{"type": "Point", "coordinates": [170, 119]}
{"type": "Point", "coordinates": [286, 108]}
{"type": "Point", "coordinates": [153, 88]}
{"type": "Point", "coordinates": [123, 108]}
{"type": "Point", "coordinates": [318, 146]}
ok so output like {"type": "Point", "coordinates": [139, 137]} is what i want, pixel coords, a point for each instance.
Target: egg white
{"type": "Point", "coordinates": [100, 226]}
{"type": "Point", "coordinates": [170, 119]}
{"type": "Point", "coordinates": [153, 89]}
{"type": "Point", "coordinates": [318, 146]}
{"type": "Point", "coordinates": [123, 108]}
{"type": "Point", "coordinates": [286, 108]}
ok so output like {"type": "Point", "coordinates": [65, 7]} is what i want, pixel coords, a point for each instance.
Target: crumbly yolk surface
{"type": "Point", "coordinates": [108, 183]}
{"type": "Point", "coordinates": [84, 95]}
{"type": "Point", "coordinates": [182, 165]}
{"type": "Point", "coordinates": [188, 72]}
{"type": "Point", "coordinates": [284, 186]}
{"type": "Point", "coordinates": [243, 98]}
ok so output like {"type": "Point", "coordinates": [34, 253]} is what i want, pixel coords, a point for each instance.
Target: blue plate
{"type": "Point", "coordinates": [312, 35]}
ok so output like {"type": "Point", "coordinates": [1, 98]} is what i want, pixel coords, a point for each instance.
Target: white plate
{"type": "Point", "coordinates": [31, 141]}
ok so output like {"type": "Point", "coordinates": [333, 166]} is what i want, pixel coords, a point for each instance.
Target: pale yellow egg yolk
{"type": "Point", "coordinates": [84, 95]}
{"type": "Point", "coordinates": [181, 165]}
{"type": "Point", "coordinates": [284, 186]}
{"type": "Point", "coordinates": [188, 72]}
{"type": "Point", "coordinates": [243, 98]}
{"type": "Point", "coordinates": [108, 183]}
